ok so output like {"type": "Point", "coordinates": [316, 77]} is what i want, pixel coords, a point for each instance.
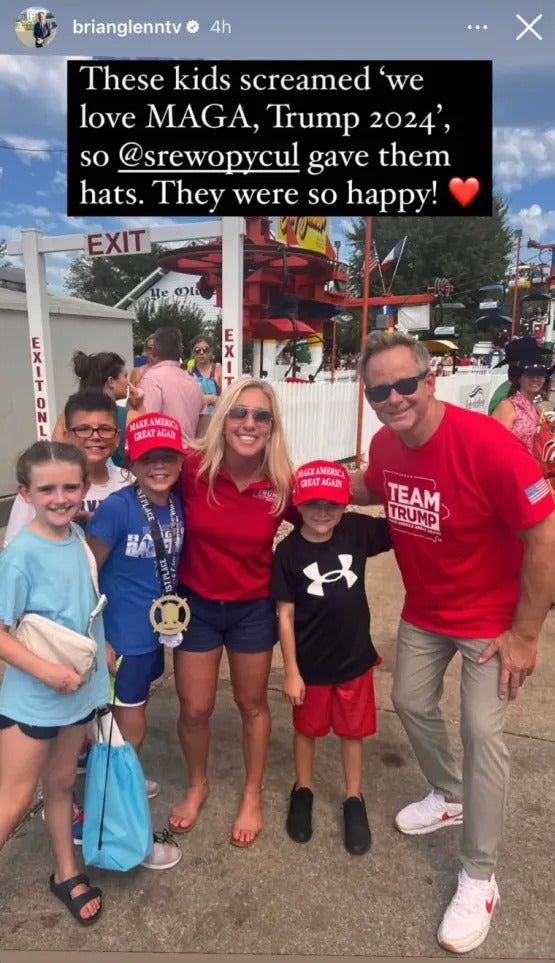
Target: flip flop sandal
{"type": "Point", "coordinates": [76, 903]}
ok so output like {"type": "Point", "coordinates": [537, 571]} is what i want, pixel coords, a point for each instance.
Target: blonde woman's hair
{"type": "Point", "coordinates": [277, 462]}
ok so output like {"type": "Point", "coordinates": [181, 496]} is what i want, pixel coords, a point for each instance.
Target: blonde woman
{"type": "Point", "coordinates": [236, 486]}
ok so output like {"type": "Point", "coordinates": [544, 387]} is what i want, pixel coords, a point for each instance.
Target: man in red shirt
{"type": "Point", "coordinates": [473, 528]}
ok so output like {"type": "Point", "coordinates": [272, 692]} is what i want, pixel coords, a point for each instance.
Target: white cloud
{"type": "Point", "coordinates": [534, 222]}
{"type": "Point", "coordinates": [28, 148]}
{"type": "Point", "coordinates": [522, 154]}
{"type": "Point", "coordinates": [26, 210]}
{"type": "Point", "coordinates": [135, 222]}
{"type": "Point", "coordinates": [81, 225]}
{"type": "Point", "coordinates": [28, 76]}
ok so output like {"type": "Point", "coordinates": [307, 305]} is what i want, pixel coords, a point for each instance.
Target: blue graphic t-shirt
{"type": "Point", "coordinates": [129, 577]}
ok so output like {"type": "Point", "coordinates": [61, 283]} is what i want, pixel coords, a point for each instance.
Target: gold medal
{"type": "Point", "coordinates": [169, 615]}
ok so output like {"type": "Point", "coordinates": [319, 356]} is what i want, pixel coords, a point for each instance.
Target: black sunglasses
{"type": "Point", "coordinates": [405, 386]}
{"type": "Point", "coordinates": [240, 412]}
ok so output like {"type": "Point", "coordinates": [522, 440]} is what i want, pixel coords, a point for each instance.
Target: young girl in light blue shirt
{"type": "Point", "coordinates": [44, 706]}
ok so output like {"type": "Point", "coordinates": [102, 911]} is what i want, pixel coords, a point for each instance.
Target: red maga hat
{"type": "Point", "coordinates": [323, 480]}
{"type": "Point", "coordinates": [151, 431]}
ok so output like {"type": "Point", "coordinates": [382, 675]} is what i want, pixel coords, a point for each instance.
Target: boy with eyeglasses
{"type": "Point", "coordinates": [91, 424]}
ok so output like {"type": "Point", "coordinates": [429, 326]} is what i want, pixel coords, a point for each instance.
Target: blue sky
{"type": "Point", "coordinates": [33, 172]}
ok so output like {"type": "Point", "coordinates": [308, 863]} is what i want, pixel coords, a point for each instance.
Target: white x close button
{"type": "Point", "coordinates": [529, 27]}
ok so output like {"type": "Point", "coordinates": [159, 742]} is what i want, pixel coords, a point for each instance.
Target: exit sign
{"type": "Point", "coordinates": [111, 243]}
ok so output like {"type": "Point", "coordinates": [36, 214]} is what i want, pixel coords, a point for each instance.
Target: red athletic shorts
{"type": "Point", "coordinates": [348, 708]}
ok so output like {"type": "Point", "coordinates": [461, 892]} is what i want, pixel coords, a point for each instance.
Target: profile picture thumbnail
{"type": "Point", "coordinates": [36, 27]}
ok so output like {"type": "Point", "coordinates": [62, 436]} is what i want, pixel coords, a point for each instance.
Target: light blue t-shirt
{"type": "Point", "coordinates": [128, 577]}
{"type": "Point", "coordinates": [51, 579]}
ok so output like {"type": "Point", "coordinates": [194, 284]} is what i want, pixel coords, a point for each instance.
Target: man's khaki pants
{"type": "Point", "coordinates": [422, 659]}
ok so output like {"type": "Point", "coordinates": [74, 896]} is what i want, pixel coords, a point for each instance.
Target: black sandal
{"type": "Point", "coordinates": [76, 903]}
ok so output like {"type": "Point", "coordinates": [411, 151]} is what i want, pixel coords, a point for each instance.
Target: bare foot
{"type": "Point", "coordinates": [185, 813]}
{"type": "Point", "coordinates": [248, 824]}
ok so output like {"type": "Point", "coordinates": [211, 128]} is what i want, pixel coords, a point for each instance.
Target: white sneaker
{"type": "Point", "coordinates": [467, 918]}
{"type": "Point", "coordinates": [165, 853]}
{"type": "Point", "coordinates": [152, 788]}
{"type": "Point", "coordinates": [431, 813]}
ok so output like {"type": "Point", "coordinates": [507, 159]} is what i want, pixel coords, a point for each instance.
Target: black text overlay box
{"type": "Point", "coordinates": [253, 137]}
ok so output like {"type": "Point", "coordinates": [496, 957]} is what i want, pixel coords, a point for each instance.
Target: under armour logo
{"type": "Point", "coordinates": [312, 571]}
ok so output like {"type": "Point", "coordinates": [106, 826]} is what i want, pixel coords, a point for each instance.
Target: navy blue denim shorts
{"type": "Point", "coordinates": [41, 732]}
{"type": "Point", "coordinates": [248, 627]}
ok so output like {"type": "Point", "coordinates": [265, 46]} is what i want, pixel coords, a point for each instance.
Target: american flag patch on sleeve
{"type": "Point", "coordinates": [534, 493]}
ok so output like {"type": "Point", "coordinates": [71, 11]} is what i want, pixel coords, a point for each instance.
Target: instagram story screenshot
{"type": "Point", "coordinates": [277, 442]}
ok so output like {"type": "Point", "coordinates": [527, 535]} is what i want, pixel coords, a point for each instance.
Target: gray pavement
{"type": "Point", "coordinates": [281, 898]}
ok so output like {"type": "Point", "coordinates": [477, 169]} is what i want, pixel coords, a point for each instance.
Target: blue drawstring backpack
{"type": "Point", "coordinates": [117, 828]}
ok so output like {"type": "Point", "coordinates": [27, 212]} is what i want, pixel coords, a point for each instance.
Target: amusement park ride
{"type": "Point", "coordinates": [295, 294]}
{"type": "Point", "coordinates": [290, 292]}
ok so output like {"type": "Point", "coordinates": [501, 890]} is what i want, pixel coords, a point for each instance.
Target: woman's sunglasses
{"type": "Point", "coordinates": [240, 412]}
{"type": "Point", "coordinates": [405, 386]}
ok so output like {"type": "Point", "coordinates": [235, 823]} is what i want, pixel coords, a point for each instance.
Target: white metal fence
{"type": "Point", "coordinates": [321, 418]}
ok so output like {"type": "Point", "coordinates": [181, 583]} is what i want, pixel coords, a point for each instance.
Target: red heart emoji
{"type": "Point", "coordinates": [464, 191]}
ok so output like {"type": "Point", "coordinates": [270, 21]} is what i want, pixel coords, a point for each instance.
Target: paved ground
{"type": "Point", "coordinates": [279, 898]}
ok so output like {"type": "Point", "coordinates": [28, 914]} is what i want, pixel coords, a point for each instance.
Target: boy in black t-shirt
{"type": "Point", "coordinates": [324, 631]}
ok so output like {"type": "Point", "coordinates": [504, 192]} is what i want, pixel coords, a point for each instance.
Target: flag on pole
{"type": "Point", "coordinates": [374, 259]}
{"type": "Point", "coordinates": [394, 254]}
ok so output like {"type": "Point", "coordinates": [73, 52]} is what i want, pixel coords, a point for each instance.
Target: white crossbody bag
{"type": "Point", "coordinates": [56, 643]}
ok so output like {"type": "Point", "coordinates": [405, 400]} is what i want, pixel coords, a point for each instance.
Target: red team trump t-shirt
{"type": "Point", "coordinates": [228, 551]}
{"type": "Point", "coordinates": [454, 507]}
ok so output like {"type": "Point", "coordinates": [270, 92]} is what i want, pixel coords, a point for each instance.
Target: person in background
{"type": "Point", "coordinates": [141, 363]}
{"type": "Point", "coordinates": [106, 372]}
{"type": "Point", "coordinates": [515, 351]}
{"type": "Point", "coordinates": [528, 381]}
{"type": "Point", "coordinates": [167, 388]}
{"type": "Point", "coordinates": [206, 371]}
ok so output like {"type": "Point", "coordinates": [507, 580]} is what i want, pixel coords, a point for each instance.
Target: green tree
{"type": "Point", "coordinates": [106, 280]}
{"type": "Point", "coordinates": [468, 251]}
{"type": "Point", "coordinates": [150, 315]}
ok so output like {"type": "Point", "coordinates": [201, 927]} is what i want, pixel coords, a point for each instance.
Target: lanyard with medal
{"type": "Point", "coordinates": [169, 614]}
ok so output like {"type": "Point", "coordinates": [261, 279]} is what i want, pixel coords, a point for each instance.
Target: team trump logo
{"type": "Point", "coordinates": [312, 571]}
{"type": "Point", "coordinates": [414, 505]}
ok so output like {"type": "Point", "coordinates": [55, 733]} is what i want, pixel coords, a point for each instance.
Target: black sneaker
{"type": "Point", "coordinates": [299, 817]}
{"type": "Point", "coordinates": [358, 837]}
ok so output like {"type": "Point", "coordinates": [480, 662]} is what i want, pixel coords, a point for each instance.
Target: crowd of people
{"type": "Point", "coordinates": [187, 519]}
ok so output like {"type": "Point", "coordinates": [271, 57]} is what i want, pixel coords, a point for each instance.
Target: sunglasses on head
{"type": "Point", "coordinates": [240, 412]}
{"type": "Point", "coordinates": [405, 386]}
{"type": "Point", "coordinates": [535, 371]}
